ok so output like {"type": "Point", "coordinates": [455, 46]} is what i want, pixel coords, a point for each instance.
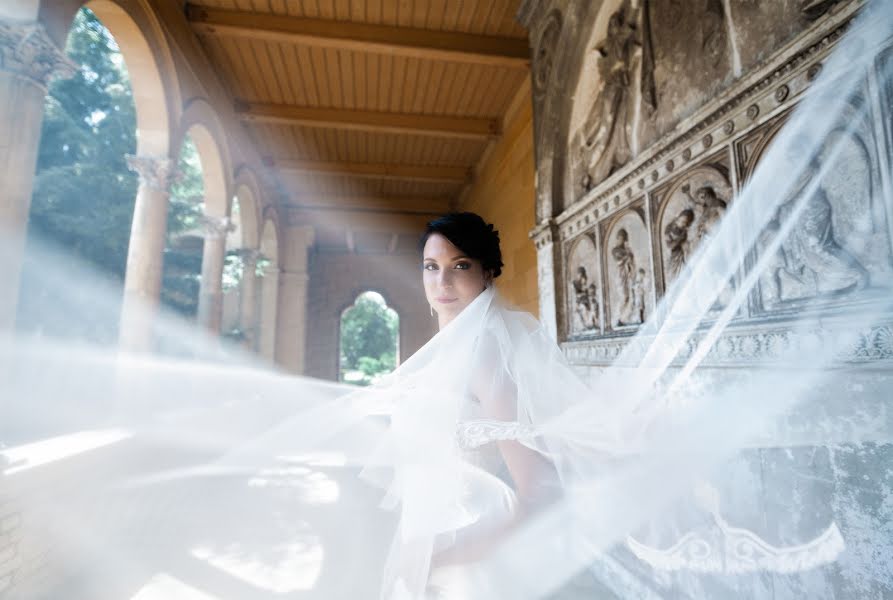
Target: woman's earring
{"type": "Point", "coordinates": [432, 309]}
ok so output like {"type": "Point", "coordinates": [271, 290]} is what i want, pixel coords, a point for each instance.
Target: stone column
{"type": "Point", "coordinates": [210, 296]}
{"type": "Point", "coordinates": [29, 59]}
{"type": "Point", "coordinates": [248, 322]}
{"type": "Point", "coordinates": [145, 254]}
{"type": "Point", "coordinates": [291, 324]}
{"type": "Point", "coordinates": [545, 238]}
{"type": "Point", "coordinates": [268, 310]}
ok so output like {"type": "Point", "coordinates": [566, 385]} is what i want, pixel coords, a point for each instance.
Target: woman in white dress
{"type": "Point", "coordinates": [496, 479]}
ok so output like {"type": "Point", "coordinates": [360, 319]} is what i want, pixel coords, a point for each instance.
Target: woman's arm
{"type": "Point", "coordinates": [534, 476]}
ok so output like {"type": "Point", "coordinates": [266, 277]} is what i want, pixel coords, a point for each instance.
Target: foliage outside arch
{"type": "Point", "coordinates": [369, 333]}
{"type": "Point", "coordinates": [151, 91]}
{"type": "Point", "coordinates": [201, 123]}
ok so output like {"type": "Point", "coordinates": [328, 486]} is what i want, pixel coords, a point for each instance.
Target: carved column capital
{"type": "Point", "coordinates": [155, 172]}
{"type": "Point", "coordinates": [26, 50]}
{"type": "Point", "coordinates": [215, 228]}
{"type": "Point", "coordinates": [250, 256]}
{"type": "Point", "coordinates": [544, 233]}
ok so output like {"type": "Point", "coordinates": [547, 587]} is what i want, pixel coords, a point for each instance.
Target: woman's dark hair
{"type": "Point", "coordinates": [472, 235]}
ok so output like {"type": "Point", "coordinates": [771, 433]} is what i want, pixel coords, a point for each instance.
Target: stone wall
{"type": "Point", "coordinates": [650, 117]}
{"type": "Point", "coordinates": [632, 219]}
{"type": "Point", "coordinates": [337, 278]}
{"type": "Point", "coordinates": [503, 194]}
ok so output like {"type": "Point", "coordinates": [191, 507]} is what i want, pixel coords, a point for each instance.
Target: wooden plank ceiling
{"type": "Point", "coordinates": [361, 106]}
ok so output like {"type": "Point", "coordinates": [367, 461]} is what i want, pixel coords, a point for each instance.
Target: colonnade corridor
{"type": "Point", "coordinates": [212, 299]}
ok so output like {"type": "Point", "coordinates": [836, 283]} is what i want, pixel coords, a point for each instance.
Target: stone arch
{"type": "Point", "coordinates": [348, 296]}
{"type": "Point", "coordinates": [628, 298]}
{"type": "Point", "coordinates": [240, 303]}
{"type": "Point", "coordinates": [560, 38]}
{"type": "Point", "coordinates": [346, 305]}
{"type": "Point", "coordinates": [152, 75]}
{"type": "Point", "coordinates": [585, 288]}
{"type": "Point", "coordinates": [201, 123]}
{"type": "Point", "coordinates": [248, 190]}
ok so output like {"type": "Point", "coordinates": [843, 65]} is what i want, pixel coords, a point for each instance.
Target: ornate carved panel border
{"type": "Point", "coordinates": [619, 245]}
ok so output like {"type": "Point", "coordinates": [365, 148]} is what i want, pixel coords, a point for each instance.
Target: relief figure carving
{"type": "Point", "coordinates": [607, 130]}
{"type": "Point", "coordinates": [586, 308]}
{"type": "Point", "coordinates": [676, 238]}
{"type": "Point", "coordinates": [631, 282]}
{"type": "Point", "coordinates": [813, 263]}
{"type": "Point", "coordinates": [710, 207]}
{"type": "Point", "coordinates": [689, 219]}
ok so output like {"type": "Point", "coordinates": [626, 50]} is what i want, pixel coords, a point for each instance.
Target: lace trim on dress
{"type": "Point", "coordinates": [477, 432]}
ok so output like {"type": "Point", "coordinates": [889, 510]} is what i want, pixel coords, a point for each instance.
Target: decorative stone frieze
{"type": "Point", "coordinates": [754, 96]}
{"type": "Point", "coordinates": [754, 347]}
{"type": "Point", "coordinates": [607, 259]}
{"type": "Point", "coordinates": [27, 51]}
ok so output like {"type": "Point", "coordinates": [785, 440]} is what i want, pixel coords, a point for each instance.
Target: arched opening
{"type": "Point", "coordinates": [241, 305]}
{"type": "Point", "coordinates": [148, 90]}
{"type": "Point", "coordinates": [233, 275]}
{"type": "Point", "coordinates": [268, 268]}
{"type": "Point", "coordinates": [215, 224]}
{"type": "Point", "coordinates": [369, 340]}
{"type": "Point", "coordinates": [84, 194]}
{"type": "Point", "coordinates": [216, 201]}
{"type": "Point", "coordinates": [181, 276]}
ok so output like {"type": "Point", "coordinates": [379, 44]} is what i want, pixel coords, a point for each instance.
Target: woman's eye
{"type": "Point", "coordinates": [430, 267]}
{"type": "Point", "coordinates": [463, 265]}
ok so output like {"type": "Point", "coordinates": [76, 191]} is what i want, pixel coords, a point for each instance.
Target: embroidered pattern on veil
{"type": "Point", "coordinates": [477, 432]}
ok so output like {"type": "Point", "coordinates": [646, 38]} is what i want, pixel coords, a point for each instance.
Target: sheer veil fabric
{"type": "Point", "coordinates": [492, 377]}
{"type": "Point", "coordinates": [483, 467]}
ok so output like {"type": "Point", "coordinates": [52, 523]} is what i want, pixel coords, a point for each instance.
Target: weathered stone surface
{"type": "Point", "coordinates": [761, 27]}
{"type": "Point", "coordinates": [686, 210]}
{"type": "Point", "coordinates": [626, 251]}
{"type": "Point", "coordinates": [692, 57]}
{"type": "Point", "coordinates": [584, 286]}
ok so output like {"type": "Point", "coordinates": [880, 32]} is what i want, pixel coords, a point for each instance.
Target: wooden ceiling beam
{"type": "Point", "coordinates": [363, 37]}
{"type": "Point", "coordinates": [401, 204]}
{"type": "Point", "coordinates": [374, 170]}
{"type": "Point", "coordinates": [364, 120]}
{"type": "Point", "coordinates": [357, 222]}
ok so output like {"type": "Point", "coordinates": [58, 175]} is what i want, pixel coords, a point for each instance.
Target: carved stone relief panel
{"type": "Point", "coordinates": [686, 212]}
{"type": "Point", "coordinates": [603, 141]}
{"type": "Point", "coordinates": [779, 20]}
{"type": "Point", "coordinates": [839, 250]}
{"type": "Point", "coordinates": [626, 263]}
{"type": "Point", "coordinates": [884, 75]}
{"type": "Point", "coordinates": [692, 56]}
{"type": "Point", "coordinates": [583, 276]}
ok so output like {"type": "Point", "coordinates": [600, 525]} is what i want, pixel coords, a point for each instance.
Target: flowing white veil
{"type": "Point", "coordinates": [194, 473]}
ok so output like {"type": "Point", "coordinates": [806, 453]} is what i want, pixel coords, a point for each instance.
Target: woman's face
{"type": "Point", "coordinates": [452, 279]}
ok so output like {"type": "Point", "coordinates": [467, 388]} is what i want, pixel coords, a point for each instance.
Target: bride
{"type": "Point", "coordinates": [465, 457]}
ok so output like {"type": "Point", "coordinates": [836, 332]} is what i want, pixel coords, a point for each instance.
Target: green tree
{"type": "Point", "coordinates": [369, 332]}
{"type": "Point", "coordinates": [181, 277]}
{"type": "Point", "coordinates": [84, 193]}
